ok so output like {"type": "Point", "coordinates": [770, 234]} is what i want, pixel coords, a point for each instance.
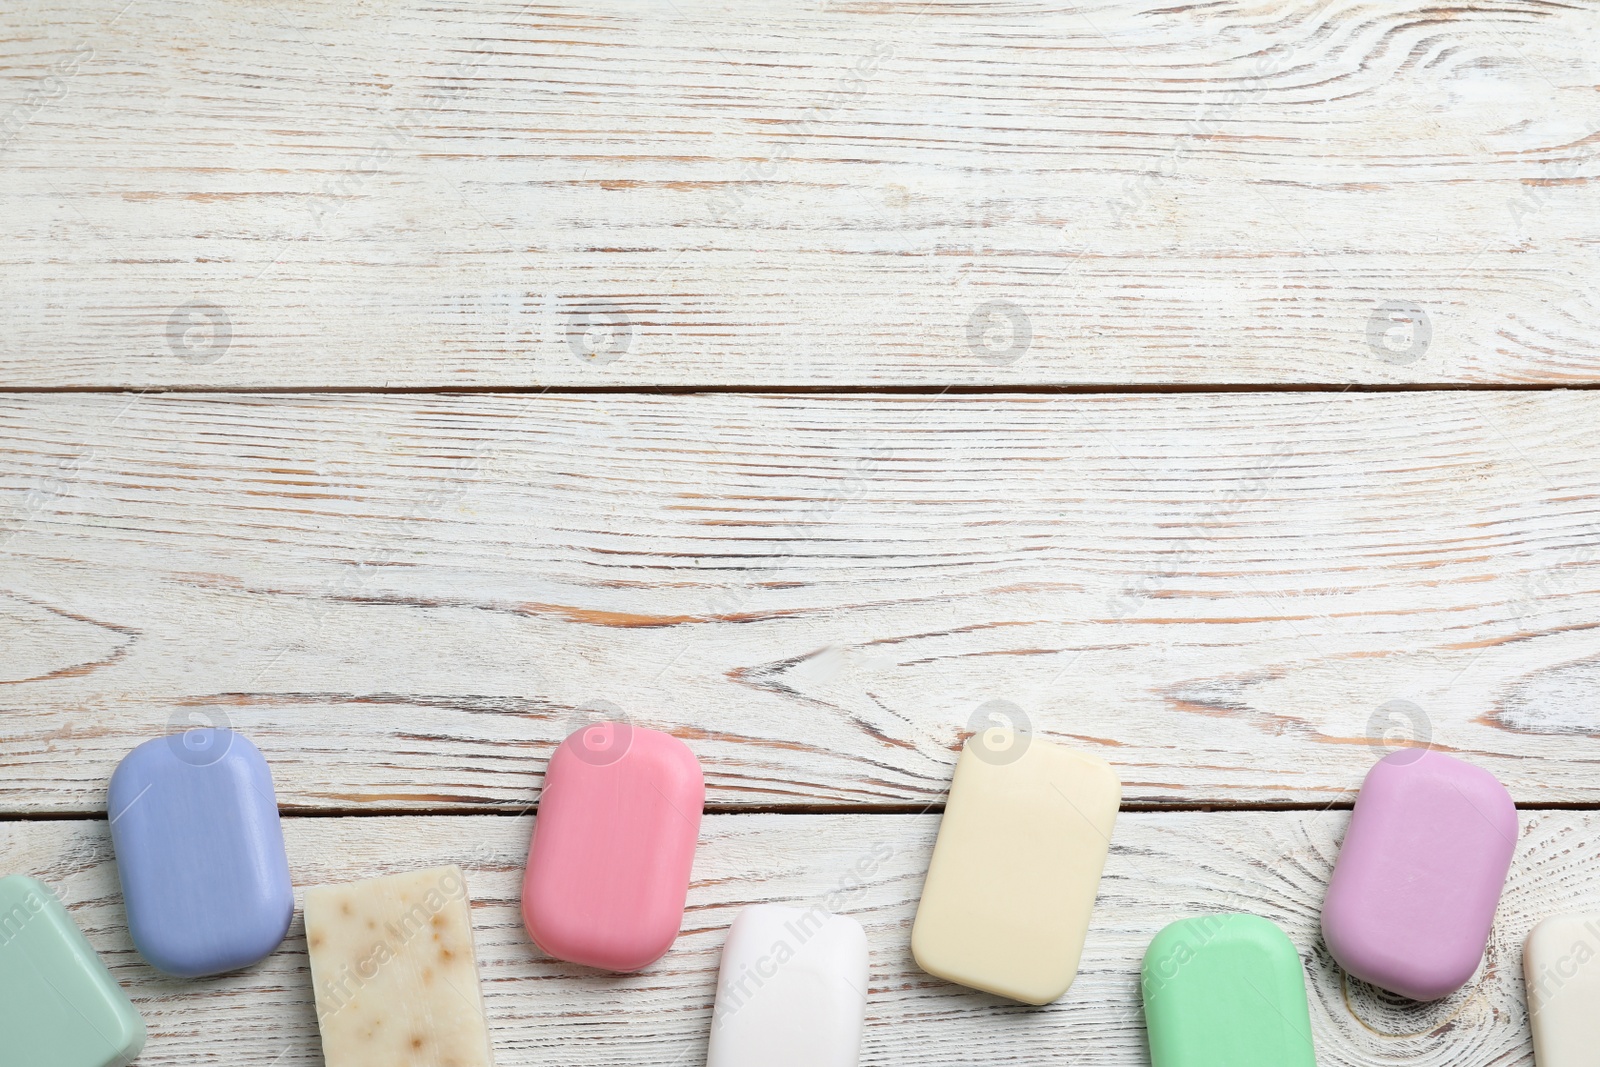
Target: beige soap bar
{"type": "Point", "coordinates": [1561, 964]}
{"type": "Point", "coordinates": [395, 974]}
{"type": "Point", "coordinates": [1016, 867]}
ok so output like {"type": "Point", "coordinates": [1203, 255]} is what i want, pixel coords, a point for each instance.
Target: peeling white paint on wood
{"type": "Point", "coordinates": [407, 600]}
{"type": "Point", "coordinates": [316, 193]}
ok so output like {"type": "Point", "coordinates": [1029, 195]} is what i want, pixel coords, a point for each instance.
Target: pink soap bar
{"type": "Point", "coordinates": [1412, 897]}
{"type": "Point", "coordinates": [613, 845]}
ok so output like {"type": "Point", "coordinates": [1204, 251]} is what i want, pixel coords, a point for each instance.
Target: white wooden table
{"type": "Point", "coordinates": [396, 381]}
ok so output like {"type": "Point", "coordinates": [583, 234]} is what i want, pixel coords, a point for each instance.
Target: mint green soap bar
{"type": "Point", "coordinates": [1226, 991]}
{"type": "Point", "coordinates": [59, 1006]}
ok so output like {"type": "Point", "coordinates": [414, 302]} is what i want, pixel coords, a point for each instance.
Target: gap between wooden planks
{"type": "Point", "coordinates": [1163, 866]}
{"type": "Point", "coordinates": [1157, 199]}
{"type": "Point", "coordinates": [407, 600]}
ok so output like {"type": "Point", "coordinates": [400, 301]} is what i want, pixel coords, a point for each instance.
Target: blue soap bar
{"type": "Point", "coordinates": [59, 1006]}
{"type": "Point", "coordinates": [194, 822]}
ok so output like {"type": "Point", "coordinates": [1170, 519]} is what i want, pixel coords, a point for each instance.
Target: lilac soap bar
{"type": "Point", "coordinates": [1413, 894]}
{"type": "Point", "coordinates": [194, 822]}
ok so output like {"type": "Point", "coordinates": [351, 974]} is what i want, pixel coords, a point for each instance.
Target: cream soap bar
{"type": "Point", "coordinates": [1005, 907]}
{"type": "Point", "coordinates": [395, 974]}
{"type": "Point", "coordinates": [1564, 990]}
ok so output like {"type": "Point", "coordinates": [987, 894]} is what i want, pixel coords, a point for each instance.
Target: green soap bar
{"type": "Point", "coordinates": [1226, 991]}
{"type": "Point", "coordinates": [59, 1006]}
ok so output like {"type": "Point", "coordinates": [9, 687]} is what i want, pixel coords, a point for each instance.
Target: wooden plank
{"type": "Point", "coordinates": [407, 600]}
{"type": "Point", "coordinates": [1164, 866]}
{"type": "Point", "coordinates": [457, 193]}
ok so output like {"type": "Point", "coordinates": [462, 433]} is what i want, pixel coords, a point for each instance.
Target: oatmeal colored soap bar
{"type": "Point", "coordinates": [395, 974]}
{"type": "Point", "coordinates": [59, 1006]}
{"type": "Point", "coordinates": [1006, 904]}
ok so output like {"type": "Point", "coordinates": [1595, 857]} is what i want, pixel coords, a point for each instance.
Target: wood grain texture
{"type": "Point", "coordinates": [1239, 600]}
{"type": "Point", "coordinates": [453, 193]}
{"type": "Point", "coordinates": [1163, 866]}
{"type": "Point", "coordinates": [407, 600]}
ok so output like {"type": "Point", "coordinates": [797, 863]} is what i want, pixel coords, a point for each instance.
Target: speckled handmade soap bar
{"type": "Point", "coordinates": [395, 974]}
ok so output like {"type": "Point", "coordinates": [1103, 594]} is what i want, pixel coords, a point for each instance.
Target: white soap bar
{"type": "Point", "coordinates": [1561, 963]}
{"type": "Point", "coordinates": [395, 974]}
{"type": "Point", "coordinates": [792, 990]}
